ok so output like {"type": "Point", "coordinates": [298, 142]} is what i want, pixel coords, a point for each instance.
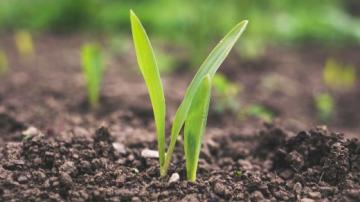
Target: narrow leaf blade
{"type": "Point", "coordinates": [93, 71]}
{"type": "Point", "coordinates": [209, 66]}
{"type": "Point", "coordinates": [195, 125]}
{"type": "Point", "coordinates": [150, 72]}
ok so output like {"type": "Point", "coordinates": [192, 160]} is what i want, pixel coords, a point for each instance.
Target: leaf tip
{"type": "Point", "coordinates": [132, 15]}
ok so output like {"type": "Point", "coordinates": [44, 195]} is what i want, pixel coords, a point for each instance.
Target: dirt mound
{"type": "Point", "coordinates": [315, 164]}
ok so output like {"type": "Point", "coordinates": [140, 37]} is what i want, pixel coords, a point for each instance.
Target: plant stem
{"type": "Point", "coordinates": [165, 167]}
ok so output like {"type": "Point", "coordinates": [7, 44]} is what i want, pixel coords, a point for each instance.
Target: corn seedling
{"type": "Point", "coordinates": [4, 65]}
{"type": "Point", "coordinates": [225, 93]}
{"type": "Point", "coordinates": [92, 65]}
{"type": "Point", "coordinates": [193, 109]}
{"type": "Point", "coordinates": [324, 104]}
{"type": "Point", "coordinates": [339, 76]}
{"type": "Point", "coordinates": [24, 43]}
{"type": "Point", "coordinates": [261, 112]}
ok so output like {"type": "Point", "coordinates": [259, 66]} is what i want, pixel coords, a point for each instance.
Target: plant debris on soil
{"type": "Point", "coordinates": [272, 165]}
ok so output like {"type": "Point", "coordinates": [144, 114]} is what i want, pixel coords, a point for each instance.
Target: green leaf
{"type": "Point", "coordinates": [150, 72]}
{"type": "Point", "coordinates": [93, 71]}
{"type": "Point", "coordinates": [4, 65]}
{"type": "Point", "coordinates": [209, 66]}
{"type": "Point", "coordinates": [195, 127]}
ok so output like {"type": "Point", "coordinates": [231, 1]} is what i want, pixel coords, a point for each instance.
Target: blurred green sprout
{"type": "Point", "coordinates": [193, 110]}
{"type": "Point", "coordinates": [24, 43]}
{"type": "Point", "coordinates": [226, 92]}
{"type": "Point", "coordinates": [339, 76]}
{"type": "Point", "coordinates": [93, 68]}
{"type": "Point", "coordinates": [4, 64]}
{"type": "Point", "coordinates": [261, 112]}
{"type": "Point", "coordinates": [324, 104]}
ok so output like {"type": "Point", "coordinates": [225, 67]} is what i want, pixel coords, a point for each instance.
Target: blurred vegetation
{"type": "Point", "coordinates": [4, 65]}
{"type": "Point", "coordinates": [93, 70]}
{"type": "Point", "coordinates": [24, 43]}
{"type": "Point", "coordinates": [338, 76]}
{"type": "Point", "coordinates": [325, 105]}
{"type": "Point", "coordinates": [261, 112]}
{"type": "Point", "coordinates": [193, 24]}
{"type": "Point", "coordinates": [225, 93]}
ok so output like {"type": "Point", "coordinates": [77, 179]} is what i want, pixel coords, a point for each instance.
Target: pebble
{"type": "Point", "coordinates": [297, 187]}
{"type": "Point", "coordinates": [174, 178]}
{"type": "Point", "coordinates": [31, 131]}
{"type": "Point", "coordinates": [147, 153]}
{"type": "Point", "coordinates": [307, 200]}
{"type": "Point", "coordinates": [315, 195]}
{"type": "Point", "coordinates": [22, 179]}
{"type": "Point", "coordinates": [119, 147]}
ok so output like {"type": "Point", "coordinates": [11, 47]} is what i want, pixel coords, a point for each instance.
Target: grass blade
{"type": "Point", "coordinates": [209, 66]}
{"type": "Point", "coordinates": [93, 71]}
{"type": "Point", "coordinates": [195, 127]}
{"type": "Point", "coordinates": [150, 72]}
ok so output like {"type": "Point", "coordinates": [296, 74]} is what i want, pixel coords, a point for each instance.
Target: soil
{"type": "Point", "coordinates": [271, 165]}
{"type": "Point", "coordinates": [53, 147]}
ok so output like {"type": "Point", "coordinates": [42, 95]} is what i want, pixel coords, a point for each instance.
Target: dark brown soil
{"type": "Point", "coordinates": [271, 165]}
{"type": "Point", "coordinates": [67, 162]}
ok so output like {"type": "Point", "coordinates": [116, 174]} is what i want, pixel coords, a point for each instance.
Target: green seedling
{"type": "Point", "coordinates": [324, 104]}
{"type": "Point", "coordinates": [4, 65]}
{"type": "Point", "coordinates": [24, 43]}
{"type": "Point", "coordinates": [261, 112]}
{"type": "Point", "coordinates": [339, 76]}
{"type": "Point", "coordinates": [92, 65]}
{"type": "Point", "coordinates": [193, 109]}
{"type": "Point", "coordinates": [225, 93]}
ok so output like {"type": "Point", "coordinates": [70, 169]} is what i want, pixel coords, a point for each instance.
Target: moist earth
{"type": "Point", "coordinates": [271, 165]}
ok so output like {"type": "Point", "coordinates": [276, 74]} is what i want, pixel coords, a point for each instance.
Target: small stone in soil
{"type": "Point", "coordinates": [315, 195]}
{"type": "Point", "coordinates": [297, 187]}
{"type": "Point", "coordinates": [147, 153]}
{"type": "Point", "coordinates": [31, 131]}
{"type": "Point", "coordinates": [119, 147]}
{"type": "Point", "coordinates": [306, 200]}
{"type": "Point", "coordinates": [174, 178]}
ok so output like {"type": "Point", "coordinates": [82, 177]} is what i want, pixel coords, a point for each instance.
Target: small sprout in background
{"type": "Point", "coordinates": [261, 112]}
{"type": "Point", "coordinates": [119, 45]}
{"type": "Point", "coordinates": [226, 93]}
{"type": "Point", "coordinates": [238, 173]}
{"type": "Point", "coordinates": [167, 63]}
{"type": "Point", "coordinates": [193, 110]}
{"type": "Point", "coordinates": [92, 65]}
{"type": "Point", "coordinates": [325, 105]}
{"type": "Point", "coordinates": [4, 64]}
{"type": "Point", "coordinates": [339, 76]}
{"type": "Point", "coordinates": [24, 43]}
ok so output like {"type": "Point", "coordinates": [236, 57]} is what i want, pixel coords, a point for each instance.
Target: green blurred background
{"type": "Point", "coordinates": [193, 25]}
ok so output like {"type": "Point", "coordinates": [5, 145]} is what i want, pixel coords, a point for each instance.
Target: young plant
{"type": "Point", "coordinates": [92, 65]}
{"type": "Point", "coordinates": [261, 112]}
{"type": "Point", "coordinates": [226, 92]}
{"type": "Point", "coordinates": [339, 76]}
{"type": "Point", "coordinates": [193, 110]}
{"type": "Point", "coordinates": [325, 105]}
{"type": "Point", "coordinates": [24, 43]}
{"type": "Point", "coordinates": [4, 65]}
